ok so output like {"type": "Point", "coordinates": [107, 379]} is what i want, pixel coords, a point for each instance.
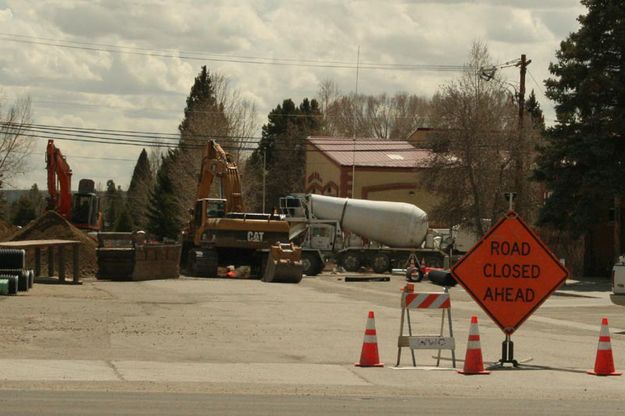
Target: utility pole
{"type": "Point", "coordinates": [523, 63]}
{"type": "Point", "coordinates": [354, 126]}
{"type": "Point", "coordinates": [264, 175]}
{"type": "Point", "coordinates": [522, 150]}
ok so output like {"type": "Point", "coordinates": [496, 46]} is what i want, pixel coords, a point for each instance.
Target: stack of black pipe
{"type": "Point", "coordinates": [14, 277]}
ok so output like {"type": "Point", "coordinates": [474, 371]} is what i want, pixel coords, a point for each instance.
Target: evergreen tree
{"type": "Point", "coordinates": [28, 207]}
{"type": "Point", "coordinates": [138, 195]}
{"type": "Point", "coordinates": [163, 215]}
{"type": "Point", "coordinates": [282, 151]}
{"type": "Point", "coordinates": [582, 161]}
{"type": "Point", "coordinates": [204, 119]}
{"type": "Point", "coordinates": [23, 211]}
{"type": "Point", "coordinates": [124, 221]}
{"type": "Point", "coordinates": [532, 107]}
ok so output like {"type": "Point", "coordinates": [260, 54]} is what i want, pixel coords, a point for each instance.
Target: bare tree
{"type": "Point", "coordinates": [15, 143]}
{"type": "Point", "coordinates": [475, 124]}
{"type": "Point", "coordinates": [380, 116]}
{"type": "Point", "coordinates": [327, 94]}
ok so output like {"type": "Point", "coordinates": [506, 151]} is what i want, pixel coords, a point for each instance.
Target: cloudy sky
{"type": "Point", "coordinates": [129, 65]}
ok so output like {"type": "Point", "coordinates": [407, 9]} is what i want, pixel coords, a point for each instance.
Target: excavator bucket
{"type": "Point", "coordinates": [284, 264]}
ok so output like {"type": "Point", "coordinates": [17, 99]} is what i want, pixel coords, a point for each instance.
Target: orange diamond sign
{"type": "Point", "coordinates": [509, 272]}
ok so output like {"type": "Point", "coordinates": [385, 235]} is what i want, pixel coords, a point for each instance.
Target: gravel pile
{"type": "Point", "coordinates": [52, 226]}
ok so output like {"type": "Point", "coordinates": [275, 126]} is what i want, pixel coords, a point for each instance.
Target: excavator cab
{"type": "Point", "coordinates": [86, 206]}
{"type": "Point", "coordinates": [86, 211]}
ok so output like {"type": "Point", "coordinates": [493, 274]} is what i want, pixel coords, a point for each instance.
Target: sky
{"type": "Point", "coordinates": [129, 65]}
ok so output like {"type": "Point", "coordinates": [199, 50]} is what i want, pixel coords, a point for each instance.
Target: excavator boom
{"type": "Point", "coordinates": [59, 182]}
{"type": "Point", "coordinates": [219, 178]}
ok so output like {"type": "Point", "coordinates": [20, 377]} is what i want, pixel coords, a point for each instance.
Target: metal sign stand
{"type": "Point", "coordinates": [438, 342]}
{"type": "Point", "coordinates": [507, 353]}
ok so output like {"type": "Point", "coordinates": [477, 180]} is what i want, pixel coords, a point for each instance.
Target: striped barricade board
{"type": "Point", "coordinates": [426, 300]}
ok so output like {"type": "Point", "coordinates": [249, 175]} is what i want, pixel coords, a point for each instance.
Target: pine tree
{"type": "Point", "coordinates": [582, 162]}
{"type": "Point", "coordinates": [283, 149]}
{"type": "Point", "coordinates": [204, 119]}
{"type": "Point", "coordinates": [535, 112]}
{"type": "Point", "coordinates": [23, 211]}
{"type": "Point", "coordinates": [138, 195]}
{"type": "Point", "coordinates": [124, 221]}
{"type": "Point", "coordinates": [163, 215]}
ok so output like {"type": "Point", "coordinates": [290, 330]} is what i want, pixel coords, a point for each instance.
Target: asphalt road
{"type": "Point", "coordinates": [217, 346]}
{"type": "Point", "coordinates": [35, 403]}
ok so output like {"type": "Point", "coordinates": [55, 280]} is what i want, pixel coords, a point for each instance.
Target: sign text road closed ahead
{"type": "Point", "coordinates": [509, 272]}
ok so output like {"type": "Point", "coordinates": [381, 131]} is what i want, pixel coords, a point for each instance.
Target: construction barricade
{"type": "Point", "coordinates": [426, 300]}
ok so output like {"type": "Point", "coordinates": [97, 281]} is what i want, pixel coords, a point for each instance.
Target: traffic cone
{"type": "Point", "coordinates": [604, 363]}
{"type": "Point", "coordinates": [369, 356]}
{"type": "Point", "coordinates": [473, 363]}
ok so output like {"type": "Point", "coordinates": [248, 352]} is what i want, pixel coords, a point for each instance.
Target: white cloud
{"type": "Point", "coordinates": [146, 92]}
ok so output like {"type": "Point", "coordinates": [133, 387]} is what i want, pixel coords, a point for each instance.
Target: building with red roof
{"type": "Point", "coordinates": [385, 170]}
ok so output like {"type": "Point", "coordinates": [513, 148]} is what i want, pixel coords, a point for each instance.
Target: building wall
{"type": "Point", "coordinates": [323, 176]}
{"type": "Point", "coordinates": [388, 184]}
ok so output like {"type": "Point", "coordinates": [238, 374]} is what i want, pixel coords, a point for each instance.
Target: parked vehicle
{"type": "Point", "coordinates": [618, 282]}
{"type": "Point", "coordinates": [357, 233]}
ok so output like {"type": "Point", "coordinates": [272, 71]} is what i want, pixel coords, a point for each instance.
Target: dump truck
{"type": "Point", "coordinates": [356, 233]}
{"type": "Point", "coordinates": [222, 234]}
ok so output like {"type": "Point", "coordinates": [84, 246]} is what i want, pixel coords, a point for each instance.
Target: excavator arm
{"type": "Point", "coordinates": [219, 178]}
{"type": "Point", "coordinates": [59, 182]}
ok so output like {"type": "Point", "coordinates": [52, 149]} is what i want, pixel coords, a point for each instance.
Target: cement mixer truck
{"type": "Point", "coordinates": [358, 233]}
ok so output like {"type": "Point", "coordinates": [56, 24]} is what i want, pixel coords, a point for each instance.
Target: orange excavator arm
{"type": "Point", "coordinates": [219, 178]}
{"type": "Point", "coordinates": [59, 182]}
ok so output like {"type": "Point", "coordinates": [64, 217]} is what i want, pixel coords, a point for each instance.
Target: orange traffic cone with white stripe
{"type": "Point", "coordinates": [473, 363]}
{"type": "Point", "coordinates": [369, 356]}
{"type": "Point", "coordinates": [604, 363]}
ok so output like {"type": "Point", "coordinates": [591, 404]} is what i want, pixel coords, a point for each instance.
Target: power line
{"type": "Point", "coordinates": [337, 144]}
{"type": "Point", "coordinates": [205, 56]}
{"type": "Point", "coordinates": [540, 88]}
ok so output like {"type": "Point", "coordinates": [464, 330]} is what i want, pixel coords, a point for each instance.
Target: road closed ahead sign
{"type": "Point", "coordinates": [509, 272]}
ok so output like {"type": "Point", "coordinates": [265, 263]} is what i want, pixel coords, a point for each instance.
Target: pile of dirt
{"type": "Point", "coordinates": [6, 230]}
{"type": "Point", "coordinates": [52, 226]}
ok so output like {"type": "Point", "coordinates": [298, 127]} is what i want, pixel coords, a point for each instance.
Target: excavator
{"type": "Point", "coordinates": [82, 209]}
{"type": "Point", "coordinates": [221, 233]}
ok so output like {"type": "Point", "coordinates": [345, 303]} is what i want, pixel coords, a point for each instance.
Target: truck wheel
{"type": "Point", "coordinates": [381, 263]}
{"type": "Point", "coordinates": [351, 262]}
{"type": "Point", "coordinates": [311, 264]}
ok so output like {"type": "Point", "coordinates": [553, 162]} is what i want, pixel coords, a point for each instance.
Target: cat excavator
{"type": "Point", "coordinates": [222, 234]}
{"type": "Point", "coordinates": [82, 208]}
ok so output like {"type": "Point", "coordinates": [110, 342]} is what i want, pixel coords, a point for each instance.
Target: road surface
{"type": "Point", "coordinates": [201, 346]}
